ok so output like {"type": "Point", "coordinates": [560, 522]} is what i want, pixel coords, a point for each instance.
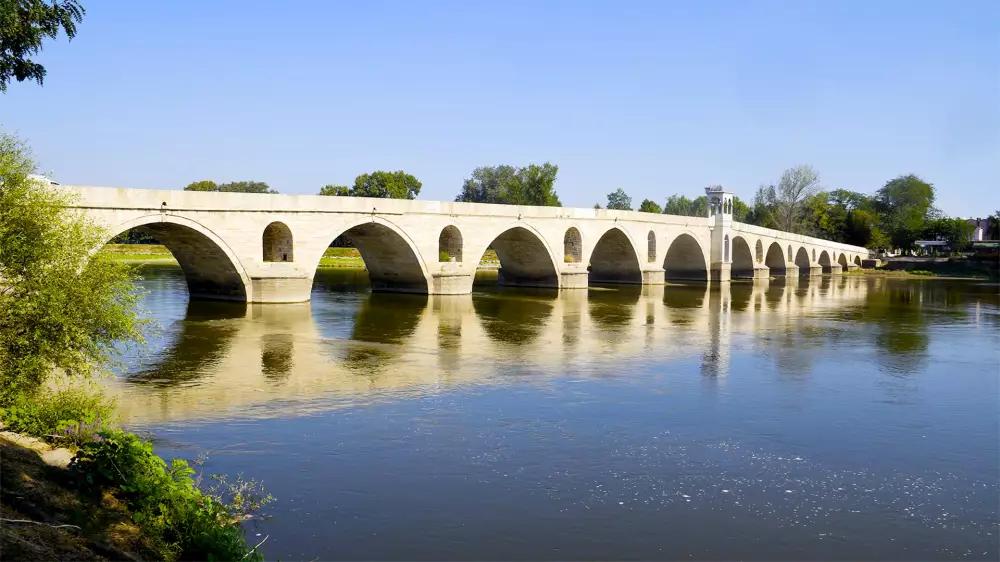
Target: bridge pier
{"type": "Point", "coordinates": [451, 283]}
{"type": "Point", "coordinates": [280, 289]}
{"type": "Point", "coordinates": [654, 277]}
{"type": "Point", "coordinates": [791, 271]}
{"type": "Point", "coordinates": [722, 272]}
{"type": "Point", "coordinates": [761, 272]}
{"type": "Point", "coordinates": [836, 269]}
{"type": "Point", "coordinates": [814, 270]}
{"type": "Point", "coordinates": [853, 267]}
{"type": "Point", "coordinates": [576, 278]}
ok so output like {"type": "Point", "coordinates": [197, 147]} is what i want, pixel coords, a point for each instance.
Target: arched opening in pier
{"type": "Point", "coordinates": [742, 259]}
{"type": "Point", "coordinates": [802, 261]}
{"type": "Point", "coordinates": [685, 260]}
{"type": "Point", "coordinates": [211, 272]}
{"type": "Point", "coordinates": [450, 245]}
{"type": "Point", "coordinates": [651, 247]}
{"type": "Point", "coordinates": [775, 260]}
{"type": "Point", "coordinates": [842, 260]}
{"type": "Point", "coordinates": [524, 259]}
{"type": "Point", "coordinates": [759, 252]}
{"type": "Point", "coordinates": [277, 242]}
{"type": "Point", "coordinates": [614, 260]}
{"type": "Point", "coordinates": [572, 246]}
{"type": "Point", "coordinates": [824, 261]}
{"type": "Point", "coordinates": [389, 258]}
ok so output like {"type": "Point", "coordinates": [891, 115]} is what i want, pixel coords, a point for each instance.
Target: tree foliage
{"type": "Point", "coordinates": [681, 205]}
{"type": "Point", "coordinates": [63, 309]}
{"type": "Point", "coordinates": [386, 185]}
{"type": "Point", "coordinates": [650, 206]}
{"type": "Point", "coordinates": [529, 185]}
{"type": "Point", "coordinates": [231, 187]}
{"type": "Point", "coordinates": [905, 204]}
{"type": "Point", "coordinates": [24, 24]}
{"type": "Point", "coordinates": [338, 190]}
{"type": "Point", "coordinates": [619, 200]}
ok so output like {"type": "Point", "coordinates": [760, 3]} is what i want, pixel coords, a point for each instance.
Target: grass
{"type": "Point", "coordinates": [347, 258]}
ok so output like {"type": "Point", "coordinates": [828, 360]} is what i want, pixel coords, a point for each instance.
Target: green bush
{"type": "Point", "coordinates": [165, 501]}
{"type": "Point", "coordinates": [444, 256]}
{"type": "Point", "coordinates": [70, 415]}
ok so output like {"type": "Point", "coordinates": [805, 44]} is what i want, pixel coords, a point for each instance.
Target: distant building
{"type": "Point", "coordinates": [981, 229]}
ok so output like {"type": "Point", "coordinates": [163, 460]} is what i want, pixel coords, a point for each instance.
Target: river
{"type": "Point", "coordinates": [844, 417]}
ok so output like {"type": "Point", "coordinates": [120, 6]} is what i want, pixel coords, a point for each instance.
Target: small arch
{"type": "Point", "coordinates": [651, 246]}
{"type": "Point", "coordinates": [802, 261]}
{"type": "Point", "coordinates": [725, 249]}
{"type": "Point", "coordinates": [814, 254]}
{"type": "Point", "coordinates": [572, 246]}
{"type": "Point", "coordinates": [743, 264]}
{"type": "Point", "coordinates": [685, 260]}
{"type": "Point", "coordinates": [450, 244]}
{"type": "Point", "coordinates": [759, 253]}
{"type": "Point", "coordinates": [774, 260]}
{"type": "Point", "coordinates": [857, 261]}
{"type": "Point", "coordinates": [789, 254]}
{"type": "Point", "coordinates": [277, 243]}
{"type": "Point", "coordinates": [614, 259]}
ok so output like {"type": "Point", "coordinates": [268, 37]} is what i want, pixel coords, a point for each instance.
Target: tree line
{"type": "Point", "coordinates": [899, 213]}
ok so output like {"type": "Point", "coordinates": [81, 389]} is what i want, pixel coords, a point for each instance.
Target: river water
{"type": "Point", "coordinates": [837, 418]}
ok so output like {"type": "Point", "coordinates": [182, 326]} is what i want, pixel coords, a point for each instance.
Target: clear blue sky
{"type": "Point", "coordinates": [657, 98]}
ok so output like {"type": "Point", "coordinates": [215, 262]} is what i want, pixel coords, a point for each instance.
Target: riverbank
{"type": "Point", "coordinates": [47, 517]}
{"type": "Point", "coordinates": [934, 268]}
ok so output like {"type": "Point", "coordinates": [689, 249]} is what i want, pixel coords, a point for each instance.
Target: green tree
{"type": "Point", "coordinates": [203, 185]}
{"type": "Point", "coordinates": [650, 206]}
{"type": "Point", "coordinates": [246, 187]}
{"type": "Point", "coordinates": [530, 185]}
{"type": "Point", "coordinates": [63, 309]}
{"type": "Point", "coordinates": [904, 203]}
{"type": "Point", "coordinates": [330, 189]}
{"type": "Point", "coordinates": [386, 185]}
{"type": "Point", "coordinates": [957, 232]}
{"type": "Point", "coordinates": [796, 186]}
{"type": "Point", "coordinates": [24, 24]}
{"type": "Point", "coordinates": [619, 200]}
{"type": "Point", "coordinates": [741, 211]}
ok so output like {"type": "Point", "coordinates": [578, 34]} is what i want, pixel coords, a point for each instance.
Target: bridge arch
{"type": "Point", "coordinates": [774, 259]}
{"type": "Point", "coordinates": [572, 246]}
{"type": "Point", "coordinates": [802, 260]}
{"type": "Point", "coordinates": [685, 259]}
{"type": "Point", "coordinates": [842, 260]}
{"type": "Point", "coordinates": [525, 258]}
{"type": "Point", "coordinates": [743, 263]}
{"type": "Point", "coordinates": [450, 244]}
{"type": "Point", "coordinates": [825, 261]}
{"type": "Point", "coordinates": [614, 259]}
{"type": "Point", "coordinates": [277, 242]}
{"type": "Point", "coordinates": [391, 258]}
{"type": "Point", "coordinates": [857, 261]}
{"type": "Point", "coordinates": [211, 268]}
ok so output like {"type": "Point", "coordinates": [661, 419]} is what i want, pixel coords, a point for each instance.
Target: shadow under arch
{"type": "Point", "coordinates": [842, 260]}
{"type": "Point", "coordinates": [742, 258]}
{"type": "Point", "coordinates": [824, 261]}
{"type": "Point", "coordinates": [614, 259]}
{"type": "Point", "coordinates": [802, 261]}
{"type": "Point", "coordinates": [775, 259]}
{"type": "Point", "coordinates": [391, 260]}
{"type": "Point", "coordinates": [525, 261]}
{"type": "Point", "coordinates": [211, 269]}
{"type": "Point", "coordinates": [685, 260]}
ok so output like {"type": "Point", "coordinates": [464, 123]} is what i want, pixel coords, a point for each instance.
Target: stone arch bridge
{"type": "Point", "coordinates": [266, 248]}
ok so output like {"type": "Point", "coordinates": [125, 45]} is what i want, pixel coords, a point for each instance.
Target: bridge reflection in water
{"type": "Point", "coordinates": [230, 359]}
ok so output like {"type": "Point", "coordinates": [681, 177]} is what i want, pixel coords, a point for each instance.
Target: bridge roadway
{"type": "Point", "coordinates": [266, 248]}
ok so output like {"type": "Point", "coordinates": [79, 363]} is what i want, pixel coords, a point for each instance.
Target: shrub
{"type": "Point", "coordinates": [72, 414]}
{"type": "Point", "coordinates": [183, 522]}
{"type": "Point", "coordinates": [444, 256]}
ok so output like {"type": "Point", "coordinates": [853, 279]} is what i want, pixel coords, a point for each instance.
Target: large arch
{"type": "Point", "coordinates": [743, 263]}
{"type": "Point", "coordinates": [525, 260]}
{"type": "Point", "coordinates": [775, 259]}
{"type": "Point", "coordinates": [824, 261]}
{"type": "Point", "coordinates": [842, 260]}
{"type": "Point", "coordinates": [614, 259]}
{"type": "Point", "coordinates": [685, 260]}
{"type": "Point", "coordinates": [391, 259]}
{"type": "Point", "coordinates": [211, 269]}
{"type": "Point", "coordinates": [802, 260]}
